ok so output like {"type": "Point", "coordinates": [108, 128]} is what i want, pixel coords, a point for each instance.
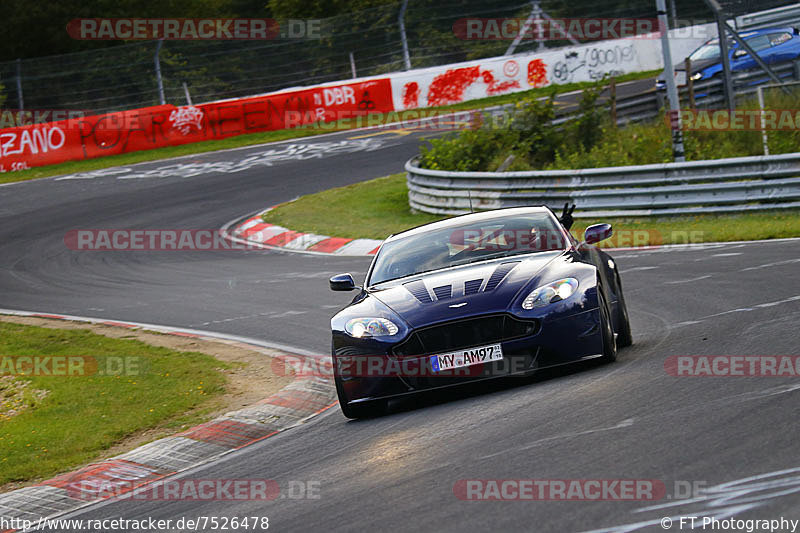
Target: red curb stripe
{"type": "Point", "coordinates": [119, 324]}
{"type": "Point", "coordinates": [329, 245]}
{"type": "Point", "coordinates": [298, 400]}
{"type": "Point", "coordinates": [258, 439]}
{"type": "Point", "coordinates": [282, 239]}
{"type": "Point", "coordinates": [230, 433]}
{"type": "Point", "coordinates": [181, 334]}
{"type": "Point", "coordinates": [373, 252]}
{"type": "Point", "coordinates": [318, 411]}
{"type": "Point", "coordinates": [122, 474]}
{"type": "Point", "coordinates": [255, 229]}
{"type": "Point", "coordinates": [43, 315]}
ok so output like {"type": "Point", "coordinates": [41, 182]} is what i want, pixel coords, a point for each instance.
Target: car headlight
{"type": "Point", "coordinates": [696, 76]}
{"type": "Point", "coordinates": [370, 327]}
{"type": "Point", "coordinates": [551, 293]}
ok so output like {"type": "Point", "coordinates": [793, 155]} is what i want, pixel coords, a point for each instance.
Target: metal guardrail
{"type": "Point", "coordinates": [788, 15]}
{"type": "Point", "coordinates": [708, 94]}
{"type": "Point", "coordinates": [715, 186]}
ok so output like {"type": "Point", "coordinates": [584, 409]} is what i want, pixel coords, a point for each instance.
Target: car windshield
{"type": "Point", "coordinates": [492, 238]}
{"type": "Point", "coordinates": [710, 50]}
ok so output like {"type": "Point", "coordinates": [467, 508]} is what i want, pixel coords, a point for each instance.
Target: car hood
{"type": "Point", "coordinates": [467, 290]}
{"type": "Point", "coordinates": [697, 65]}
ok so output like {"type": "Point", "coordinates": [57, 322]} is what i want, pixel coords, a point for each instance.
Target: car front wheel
{"type": "Point", "coordinates": [609, 342]}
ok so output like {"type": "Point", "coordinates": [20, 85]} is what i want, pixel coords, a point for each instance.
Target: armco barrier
{"type": "Point", "coordinates": [715, 186]}
{"type": "Point", "coordinates": [155, 127]}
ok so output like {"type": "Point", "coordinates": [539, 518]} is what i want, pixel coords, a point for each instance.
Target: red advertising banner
{"type": "Point", "coordinates": [86, 137]}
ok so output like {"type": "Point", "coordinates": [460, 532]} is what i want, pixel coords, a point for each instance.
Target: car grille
{"type": "Point", "coordinates": [464, 334]}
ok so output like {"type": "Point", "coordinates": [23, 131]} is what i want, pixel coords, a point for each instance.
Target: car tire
{"type": "Point", "coordinates": [606, 330]}
{"type": "Point", "coordinates": [624, 335]}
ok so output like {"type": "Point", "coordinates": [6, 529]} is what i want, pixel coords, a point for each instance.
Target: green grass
{"type": "Point", "coordinates": [156, 154]}
{"type": "Point", "coordinates": [81, 416]}
{"type": "Point", "coordinates": [371, 209]}
{"type": "Point", "coordinates": [377, 208]}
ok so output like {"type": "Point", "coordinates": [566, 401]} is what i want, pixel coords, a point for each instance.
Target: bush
{"type": "Point", "coordinates": [590, 140]}
{"type": "Point", "coordinates": [526, 132]}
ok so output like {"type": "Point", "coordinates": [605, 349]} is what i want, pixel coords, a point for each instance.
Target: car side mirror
{"type": "Point", "coordinates": [342, 282]}
{"type": "Point", "coordinates": [597, 233]}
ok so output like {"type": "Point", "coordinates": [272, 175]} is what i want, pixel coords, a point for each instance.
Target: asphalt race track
{"type": "Point", "coordinates": [628, 420]}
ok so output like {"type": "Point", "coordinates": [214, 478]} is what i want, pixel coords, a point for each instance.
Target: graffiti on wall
{"type": "Point", "coordinates": [593, 63]}
{"type": "Point", "coordinates": [86, 137]}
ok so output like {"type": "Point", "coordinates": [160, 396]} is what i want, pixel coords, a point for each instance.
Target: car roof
{"type": "Point", "coordinates": [753, 33]}
{"type": "Point", "coordinates": [468, 218]}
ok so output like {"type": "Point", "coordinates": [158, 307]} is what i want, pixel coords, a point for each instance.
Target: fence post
{"type": "Point", "coordinates": [689, 82]}
{"type": "Point", "coordinates": [612, 88]}
{"type": "Point", "coordinates": [20, 99]}
{"type": "Point", "coordinates": [764, 138]}
{"type": "Point", "coordinates": [672, 91]}
{"type": "Point", "coordinates": [727, 77]}
{"type": "Point", "coordinates": [534, 17]}
{"type": "Point", "coordinates": [159, 81]}
{"type": "Point", "coordinates": [186, 92]}
{"type": "Point", "coordinates": [353, 65]}
{"type": "Point", "coordinates": [402, 24]}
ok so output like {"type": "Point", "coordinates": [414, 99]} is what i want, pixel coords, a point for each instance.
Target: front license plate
{"type": "Point", "coordinates": [467, 357]}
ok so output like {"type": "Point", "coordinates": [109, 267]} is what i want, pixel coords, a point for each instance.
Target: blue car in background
{"type": "Point", "coordinates": [773, 45]}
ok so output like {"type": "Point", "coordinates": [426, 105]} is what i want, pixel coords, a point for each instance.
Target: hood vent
{"type": "Point", "coordinates": [418, 289]}
{"type": "Point", "coordinates": [443, 292]}
{"type": "Point", "coordinates": [472, 286]}
{"type": "Point", "coordinates": [499, 274]}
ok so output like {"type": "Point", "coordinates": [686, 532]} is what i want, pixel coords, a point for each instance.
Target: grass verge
{"type": "Point", "coordinates": [377, 208]}
{"type": "Point", "coordinates": [88, 165]}
{"type": "Point", "coordinates": [51, 423]}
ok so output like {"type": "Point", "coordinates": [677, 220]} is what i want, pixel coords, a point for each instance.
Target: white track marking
{"type": "Point", "coordinates": [768, 265]}
{"type": "Point", "coordinates": [266, 158]}
{"type": "Point", "coordinates": [738, 310]}
{"type": "Point", "coordinates": [167, 329]}
{"type": "Point", "coordinates": [690, 280]}
{"type": "Point", "coordinates": [635, 269]}
{"type": "Point", "coordinates": [628, 422]}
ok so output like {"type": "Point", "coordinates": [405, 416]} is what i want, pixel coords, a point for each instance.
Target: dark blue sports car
{"type": "Point", "coordinates": [773, 45]}
{"type": "Point", "coordinates": [475, 297]}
